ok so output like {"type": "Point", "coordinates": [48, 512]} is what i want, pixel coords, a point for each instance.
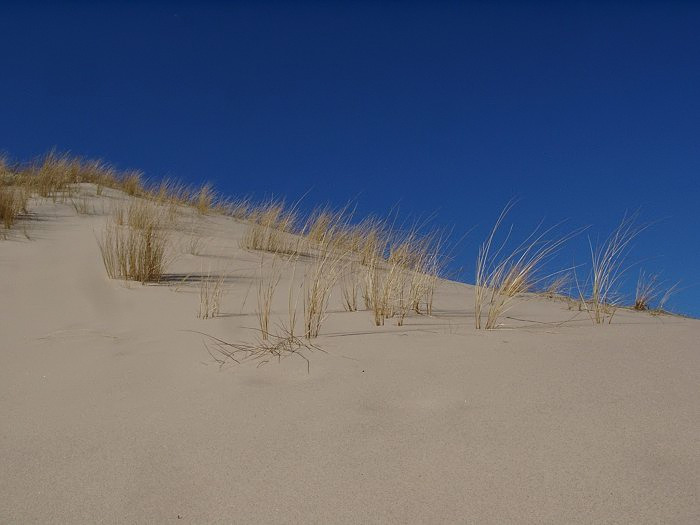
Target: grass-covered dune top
{"type": "Point", "coordinates": [166, 352]}
{"type": "Point", "coordinates": [398, 267]}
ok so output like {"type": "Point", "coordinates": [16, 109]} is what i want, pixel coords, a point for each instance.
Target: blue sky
{"type": "Point", "coordinates": [580, 110]}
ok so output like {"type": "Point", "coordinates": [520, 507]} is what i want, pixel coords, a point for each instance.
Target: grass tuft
{"type": "Point", "coordinates": [136, 250]}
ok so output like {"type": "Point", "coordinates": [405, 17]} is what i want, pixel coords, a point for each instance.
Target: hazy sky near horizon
{"type": "Point", "coordinates": [581, 110]}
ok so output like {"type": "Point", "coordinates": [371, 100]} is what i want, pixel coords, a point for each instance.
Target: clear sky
{"type": "Point", "coordinates": [580, 110]}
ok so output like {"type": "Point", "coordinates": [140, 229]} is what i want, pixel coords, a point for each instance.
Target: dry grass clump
{"type": "Point", "coordinates": [608, 266]}
{"type": "Point", "coordinates": [557, 285]}
{"type": "Point", "coordinates": [51, 177]}
{"type": "Point", "coordinates": [135, 249]}
{"type": "Point", "coordinates": [269, 224]}
{"type": "Point", "coordinates": [503, 274]}
{"type": "Point", "coordinates": [132, 183]}
{"type": "Point", "coordinates": [239, 208]}
{"type": "Point", "coordinates": [211, 292]}
{"type": "Point", "coordinates": [13, 203]}
{"type": "Point", "coordinates": [649, 289]}
{"type": "Point", "coordinates": [204, 199]}
{"type": "Point", "coordinates": [405, 280]}
{"type": "Point", "coordinates": [320, 223]}
{"type": "Point", "coordinates": [55, 175]}
{"type": "Point", "coordinates": [329, 265]}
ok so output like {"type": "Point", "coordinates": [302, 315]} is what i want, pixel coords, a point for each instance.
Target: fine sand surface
{"type": "Point", "coordinates": [112, 410]}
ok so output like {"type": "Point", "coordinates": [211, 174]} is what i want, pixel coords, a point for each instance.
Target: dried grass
{"type": "Point", "coordinates": [501, 274]}
{"type": "Point", "coordinates": [211, 293]}
{"type": "Point", "coordinates": [608, 266]}
{"type": "Point", "coordinates": [136, 250]}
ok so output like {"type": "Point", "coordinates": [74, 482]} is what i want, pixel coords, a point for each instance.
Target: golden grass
{"type": "Point", "coordinates": [350, 287]}
{"type": "Point", "coordinates": [211, 292]}
{"type": "Point", "coordinates": [267, 284]}
{"type": "Point", "coordinates": [327, 268]}
{"type": "Point", "coordinates": [13, 203]}
{"type": "Point", "coordinates": [608, 266]}
{"type": "Point", "coordinates": [403, 281]}
{"type": "Point", "coordinates": [269, 224]}
{"type": "Point", "coordinates": [395, 273]}
{"type": "Point", "coordinates": [204, 199]}
{"type": "Point", "coordinates": [647, 290]}
{"type": "Point", "coordinates": [136, 250]}
{"type": "Point", "coordinates": [502, 274]}
{"type": "Point", "coordinates": [132, 183]}
{"type": "Point", "coordinates": [651, 289]}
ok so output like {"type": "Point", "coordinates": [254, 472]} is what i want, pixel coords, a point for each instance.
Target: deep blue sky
{"type": "Point", "coordinates": [581, 110]}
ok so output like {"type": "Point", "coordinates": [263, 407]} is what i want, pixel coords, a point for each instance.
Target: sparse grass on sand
{"type": "Point", "coordinates": [267, 284]}
{"type": "Point", "coordinates": [394, 272]}
{"type": "Point", "coordinates": [211, 293]}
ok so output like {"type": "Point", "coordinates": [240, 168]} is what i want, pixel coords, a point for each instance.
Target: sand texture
{"type": "Point", "coordinates": [113, 411]}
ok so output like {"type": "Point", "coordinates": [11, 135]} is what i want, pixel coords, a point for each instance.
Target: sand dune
{"type": "Point", "coordinates": [113, 410]}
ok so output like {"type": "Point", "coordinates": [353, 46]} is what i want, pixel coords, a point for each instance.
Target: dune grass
{"type": "Point", "coordinates": [395, 273]}
{"type": "Point", "coordinates": [328, 266]}
{"type": "Point", "coordinates": [608, 266]}
{"type": "Point", "coordinates": [204, 199]}
{"type": "Point", "coordinates": [652, 293]}
{"type": "Point", "coordinates": [267, 284]}
{"type": "Point", "coordinates": [13, 203]}
{"type": "Point", "coordinates": [135, 247]}
{"type": "Point", "coordinates": [269, 224]}
{"type": "Point", "coordinates": [350, 287]}
{"type": "Point", "coordinates": [405, 279]}
{"type": "Point", "coordinates": [502, 273]}
{"type": "Point", "coordinates": [211, 293]}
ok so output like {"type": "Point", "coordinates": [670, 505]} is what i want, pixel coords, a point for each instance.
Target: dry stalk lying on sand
{"type": "Point", "coordinates": [608, 265]}
{"type": "Point", "coordinates": [501, 276]}
{"type": "Point", "coordinates": [134, 247]}
{"type": "Point", "coordinates": [262, 351]}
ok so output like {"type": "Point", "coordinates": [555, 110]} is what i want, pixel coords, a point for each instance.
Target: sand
{"type": "Point", "coordinates": [112, 410]}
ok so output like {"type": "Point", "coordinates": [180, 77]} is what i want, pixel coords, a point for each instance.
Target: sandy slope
{"type": "Point", "coordinates": [111, 411]}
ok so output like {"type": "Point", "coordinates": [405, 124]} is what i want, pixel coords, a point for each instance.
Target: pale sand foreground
{"type": "Point", "coordinates": [110, 411]}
